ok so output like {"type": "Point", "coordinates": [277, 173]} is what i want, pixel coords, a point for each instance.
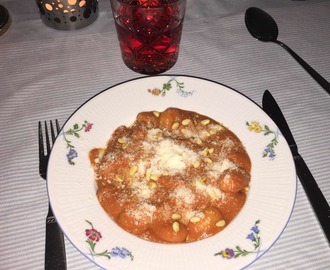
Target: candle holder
{"type": "Point", "coordinates": [68, 14]}
{"type": "Point", "coordinates": [4, 20]}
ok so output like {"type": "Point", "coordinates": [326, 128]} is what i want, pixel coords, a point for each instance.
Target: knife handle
{"type": "Point", "coordinates": [55, 258]}
{"type": "Point", "coordinates": [315, 195]}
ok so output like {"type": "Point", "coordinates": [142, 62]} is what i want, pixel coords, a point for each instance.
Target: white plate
{"type": "Point", "coordinates": [72, 188]}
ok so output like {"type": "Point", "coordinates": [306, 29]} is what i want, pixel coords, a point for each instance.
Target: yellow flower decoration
{"type": "Point", "coordinates": [254, 126]}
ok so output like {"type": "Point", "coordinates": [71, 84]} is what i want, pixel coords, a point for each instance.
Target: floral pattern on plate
{"type": "Point", "coordinates": [236, 252]}
{"type": "Point", "coordinates": [94, 236]}
{"type": "Point", "coordinates": [269, 151]}
{"type": "Point", "coordinates": [180, 89]}
{"type": "Point", "coordinates": [75, 131]}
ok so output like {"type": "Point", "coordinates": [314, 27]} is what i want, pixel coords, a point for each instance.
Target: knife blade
{"type": "Point", "coordinates": [313, 192]}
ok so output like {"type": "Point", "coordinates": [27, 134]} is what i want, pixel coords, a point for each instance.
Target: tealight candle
{"type": "Point", "coordinates": [68, 14]}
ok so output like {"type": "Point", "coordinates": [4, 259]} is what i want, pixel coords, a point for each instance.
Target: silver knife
{"type": "Point", "coordinates": [313, 192]}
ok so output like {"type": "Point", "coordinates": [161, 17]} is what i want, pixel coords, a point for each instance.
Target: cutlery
{"type": "Point", "coordinates": [54, 250]}
{"type": "Point", "coordinates": [264, 28]}
{"type": "Point", "coordinates": [314, 194]}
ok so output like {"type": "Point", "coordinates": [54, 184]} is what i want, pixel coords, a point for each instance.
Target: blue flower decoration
{"type": "Point", "coordinates": [251, 237]}
{"type": "Point", "coordinates": [255, 229]}
{"type": "Point", "coordinates": [121, 252]}
{"type": "Point", "coordinates": [71, 155]}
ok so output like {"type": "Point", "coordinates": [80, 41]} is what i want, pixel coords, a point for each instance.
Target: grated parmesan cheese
{"type": "Point", "coordinates": [217, 168]}
{"type": "Point", "coordinates": [173, 157]}
{"type": "Point", "coordinates": [143, 212]}
{"type": "Point", "coordinates": [183, 195]}
{"type": "Point", "coordinates": [141, 190]}
{"type": "Point", "coordinates": [167, 170]}
{"type": "Point", "coordinates": [168, 157]}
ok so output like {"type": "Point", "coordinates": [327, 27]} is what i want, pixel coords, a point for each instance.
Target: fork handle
{"type": "Point", "coordinates": [55, 258]}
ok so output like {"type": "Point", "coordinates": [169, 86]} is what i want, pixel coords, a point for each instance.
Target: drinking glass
{"type": "Point", "coordinates": [149, 33]}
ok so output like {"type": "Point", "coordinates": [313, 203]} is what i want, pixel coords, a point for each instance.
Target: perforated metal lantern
{"type": "Point", "coordinates": [68, 14]}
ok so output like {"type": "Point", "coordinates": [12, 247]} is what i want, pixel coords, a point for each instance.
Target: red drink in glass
{"type": "Point", "coordinates": [149, 33]}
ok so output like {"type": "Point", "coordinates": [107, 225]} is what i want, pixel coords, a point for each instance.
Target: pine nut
{"type": "Point", "coordinates": [213, 131]}
{"type": "Point", "coordinates": [200, 183]}
{"type": "Point", "coordinates": [208, 160]}
{"type": "Point", "coordinates": [122, 140]}
{"type": "Point", "coordinates": [157, 114]}
{"type": "Point", "coordinates": [175, 125]}
{"type": "Point", "coordinates": [176, 226]}
{"type": "Point", "coordinates": [133, 170]}
{"type": "Point", "coordinates": [205, 151]}
{"type": "Point", "coordinates": [197, 164]}
{"type": "Point", "coordinates": [195, 219]}
{"type": "Point", "coordinates": [176, 216]}
{"type": "Point", "coordinates": [220, 223]}
{"type": "Point", "coordinates": [148, 173]}
{"type": "Point", "coordinates": [205, 122]}
{"type": "Point", "coordinates": [119, 178]}
{"type": "Point", "coordinates": [218, 127]}
{"type": "Point", "coordinates": [153, 177]}
{"type": "Point", "coordinates": [151, 184]}
{"type": "Point", "coordinates": [186, 122]}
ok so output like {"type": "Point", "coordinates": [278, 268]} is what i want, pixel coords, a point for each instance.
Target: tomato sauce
{"type": "Point", "coordinates": [172, 177]}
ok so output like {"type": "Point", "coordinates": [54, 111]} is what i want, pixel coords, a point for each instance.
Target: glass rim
{"type": "Point", "coordinates": [137, 5]}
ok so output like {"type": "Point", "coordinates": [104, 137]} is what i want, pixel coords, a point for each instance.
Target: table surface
{"type": "Point", "coordinates": [47, 74]}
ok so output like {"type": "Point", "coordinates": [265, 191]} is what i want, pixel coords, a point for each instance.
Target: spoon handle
{"type": "Point", "coordinates": [317, 77]}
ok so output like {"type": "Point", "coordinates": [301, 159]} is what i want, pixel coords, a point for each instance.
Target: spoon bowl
{"type": "Point", "coordinates": [266, 31]}
{"type": "Point", "coordinates": [264, 28]}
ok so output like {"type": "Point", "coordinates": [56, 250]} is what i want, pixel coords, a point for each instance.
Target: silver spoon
{"type": "Point", "coordinates": [263, 27]}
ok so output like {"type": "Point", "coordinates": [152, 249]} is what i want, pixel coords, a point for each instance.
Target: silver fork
{"type": "Point", "coordinates": [54, 248]}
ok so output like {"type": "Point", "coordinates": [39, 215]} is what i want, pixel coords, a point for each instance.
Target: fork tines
{"type": "Point", "coordinates": [44, 156]}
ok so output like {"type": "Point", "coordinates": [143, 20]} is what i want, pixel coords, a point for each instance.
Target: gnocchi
{"type": "Point", "coordinates": [172, 177]}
